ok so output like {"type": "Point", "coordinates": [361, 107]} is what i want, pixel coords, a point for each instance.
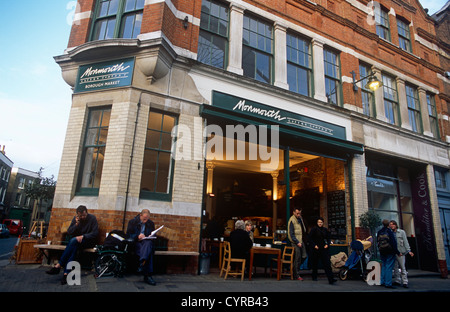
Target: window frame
{"type": "Point", "coordinates": [92, 191]}
{"type": "Point", "coordinates": [368, 106]}
{"type": "Point", "coordinates": [267, 51]}
{"type": "Point", "coordinates": [404, 36]}
{"type": "Point", "coordinates": [332, 80]}
{"type": "Point", "coordinates": [383, 28]}
{"type": "Point", "coordinates": [306, 54]}
{"type": "Point", "coordinates": [391, 103]}
{"type": "Point", "coordinates": [212, 33]}
{"type": "Point", "coordinates": [432, 115]}
{"type": "Point", "coordinates": [119, 16]}
{"type": "Point", "coordinates": [414, 113]}
{"type": "Point", "coordinates": [154, 195]}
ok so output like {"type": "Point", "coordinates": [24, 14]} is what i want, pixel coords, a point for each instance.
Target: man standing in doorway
{"type": "Point", "coordinates": [296, 231]}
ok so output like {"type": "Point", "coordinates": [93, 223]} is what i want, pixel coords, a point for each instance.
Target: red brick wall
{"type": "Point", "coordinates": [81, 29]}
{"type": "Point", "coordinates": [182, 232]}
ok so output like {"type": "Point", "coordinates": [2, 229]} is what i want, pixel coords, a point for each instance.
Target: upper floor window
{"type": "Point", "coordinates": [213, 39]}
{"type": "Point", "coordinates": [390, 99]}
{"type": "Point", "coordinates": [366, 94]}
{"type": "Point", "coordinates": [257, 55]}
{"type": "Point", "coordinates": [412, 98]}
{"type": "Point", "coordinates": [118, 19]}
{"type": "Point", "coordinates": [432, 115]}
{"type": "Point", "coordinates": [404, 37]}
{"type": "Point", "coordinates": [156, 180]}
{"type": "Point", "coordinates": [94, 150]}
{"type": "Point", "coordinates": [382, 23]}
{"type": "Point", "coordinates": [332, 76]}
{"type": "Point", "coordinates": [299, 65]}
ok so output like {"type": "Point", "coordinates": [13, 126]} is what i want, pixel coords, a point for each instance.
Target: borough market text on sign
{"type": "Point", "coordinates": [105, 75]}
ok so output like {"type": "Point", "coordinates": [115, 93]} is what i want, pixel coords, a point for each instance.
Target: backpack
{"type": "Point", "coordinates": [114, 243]}
{"type": "Point", "coordinates": [384, 243]}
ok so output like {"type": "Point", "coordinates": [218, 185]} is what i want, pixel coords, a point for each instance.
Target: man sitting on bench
{"type": "Point", "coordinates": [84, 232]}
{"type": "Point", "coordinates": [139, 229]}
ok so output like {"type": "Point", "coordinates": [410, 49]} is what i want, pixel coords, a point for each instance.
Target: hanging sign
{"type": "Point", "coordinates": [105, 75]}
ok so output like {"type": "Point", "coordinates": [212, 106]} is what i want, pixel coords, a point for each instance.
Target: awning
{"type": "Point", "coordinates": [290, 136]}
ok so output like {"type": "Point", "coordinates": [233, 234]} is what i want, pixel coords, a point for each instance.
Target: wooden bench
{"type": "Point", "coordinates": [50, 250]}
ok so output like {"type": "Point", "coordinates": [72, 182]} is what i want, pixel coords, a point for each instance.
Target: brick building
{"type": "Point", "coordinates": [245, 109]}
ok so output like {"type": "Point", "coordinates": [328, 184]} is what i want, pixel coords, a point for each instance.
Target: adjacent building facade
{"type": "Point", "coordinates": [220, 110]}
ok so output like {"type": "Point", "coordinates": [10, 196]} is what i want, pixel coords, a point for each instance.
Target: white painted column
{"type": "Point", "coordinates": [235, 40]}
{"type": "Point", "coordinates": [280, 57]}
{"type": "Point", "coordinates": [403, 104]}
{"type": "Point", "coordinates": [319, 71]}
{"type": "Point", "coordinates": [424, 112]}
{"type": "Point", "coordinates": [379, 97]}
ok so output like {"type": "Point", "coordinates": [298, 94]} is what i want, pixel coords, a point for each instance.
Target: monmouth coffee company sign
{"type": "Point", "coordinates": [105, 75]}
{"type": "Point", "coordinates": [277, 116]}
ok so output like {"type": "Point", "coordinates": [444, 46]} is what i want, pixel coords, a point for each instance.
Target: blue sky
{"type": "Point", "coordinates": [34, 99]}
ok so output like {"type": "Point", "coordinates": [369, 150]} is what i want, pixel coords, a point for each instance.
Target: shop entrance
{"type": "Point", "coordinates": [244, 189]}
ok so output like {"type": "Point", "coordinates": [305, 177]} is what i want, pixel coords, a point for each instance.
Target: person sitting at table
{"type": "Point", "coordinates": [248, 228]}
{"type": "Point", "coordinates": [240, 242]}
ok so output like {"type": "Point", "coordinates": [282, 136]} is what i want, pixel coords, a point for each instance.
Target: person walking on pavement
{"type": "Point", "coordinates": [296, 231]}
{"type": "Point", "coordinates": [319, 240]}
{"type": "Point", "coordinates": [387, 245]}
{"type": "Point", "coordinates": [400, 274]}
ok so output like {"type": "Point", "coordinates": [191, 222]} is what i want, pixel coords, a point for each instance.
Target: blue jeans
{"type": "Point", "coordinates": [69, 253]}
{"type": "Point", "coordinates": [388, 262]}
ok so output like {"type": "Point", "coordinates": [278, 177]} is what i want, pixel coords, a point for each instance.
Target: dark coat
{"type": "Point", "coordinates": [240, 244]}
{"type": "Point", "coordinates": [319, 236]}
{"type": "Point", "coordinates": [134, 227]}
{"type": "Point", "coordinates": [88, 228]}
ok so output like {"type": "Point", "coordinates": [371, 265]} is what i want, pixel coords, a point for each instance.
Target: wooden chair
{"type": "Point", "coordinates": [227, 260]}
{"type": "Point", "coordinates": [287, 258]}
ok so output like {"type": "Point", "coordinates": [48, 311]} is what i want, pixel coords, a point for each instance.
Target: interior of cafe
{"type": "Point", "coordinates": [246, 188]}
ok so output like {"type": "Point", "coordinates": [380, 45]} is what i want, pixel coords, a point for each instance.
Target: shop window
{"type": "Point", "coordinates": [213, 39]}
{"type": "Point", "coordinates": [412, 98]}
{"type": "Point", "coordinates": [366, 94]}
{"type": "Point", "coordinates": [432, 115]}
{"type": "Point", "coordinates": [389, 193]}
{"type": "Point", "coordinates": [94, 151]}
{"type": "Point", "coordinates": [117, 19]}
{"type": "Point", "coordinates": [332, 76]}
{"type": "Point", "coordinates": [404, 37]}
{"type": "Point", "coordinates": [257, 55]}
{"type": "Point", "coordinates": [298, 65]}
{"type": "Point", "coordinates": [157, 169]}
{"type": "Point", "coordinates": [441, 177]}
{"type": "Point", "coordinates": [390, 99]}
{"type": "Point", "coordinates": [382, 23]}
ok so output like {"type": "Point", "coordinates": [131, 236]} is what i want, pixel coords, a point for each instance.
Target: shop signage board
{"type": "Point", "coordinates": [276, 116]}
{"type": "Point", "coordinates": [105, 75]}
{"type": "Point", "coordinates": [423, 218]}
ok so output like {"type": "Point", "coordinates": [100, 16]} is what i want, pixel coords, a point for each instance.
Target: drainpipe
{"type": "Point", "coordinates": [131, 162]}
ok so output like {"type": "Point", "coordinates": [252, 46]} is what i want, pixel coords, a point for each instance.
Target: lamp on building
{"type": "Point", "coordinates": [373, 83]}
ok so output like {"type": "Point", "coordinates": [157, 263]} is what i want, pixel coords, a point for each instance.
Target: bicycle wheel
{"type": "Point", "coordinates": [107, 264]}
